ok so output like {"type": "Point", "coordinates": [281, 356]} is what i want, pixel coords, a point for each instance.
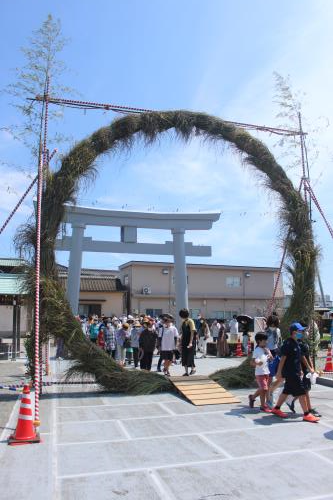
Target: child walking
{"type": "Point", "coordinates": [261, 356]}
{"type": "Point", "coordinates": [307, 368]}
{"type": "Point", "coordinates": [291, 370]}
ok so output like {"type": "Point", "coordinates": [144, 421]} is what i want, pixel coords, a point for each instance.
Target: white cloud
{"type": "Point", "coordinates": [6, 138]}
{"type": "Point", "coordinates": [13, 185]}
{"type": "Point", "coordinates": [304, 52]}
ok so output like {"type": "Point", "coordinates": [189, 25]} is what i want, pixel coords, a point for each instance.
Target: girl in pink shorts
{"type": "Point", "coordinates": [261, 356]}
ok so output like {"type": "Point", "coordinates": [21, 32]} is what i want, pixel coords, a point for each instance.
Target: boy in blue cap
{"type": "Point", "coordinates": [291, 370]}
{"type": "Point", "coordinates": [307, 368]}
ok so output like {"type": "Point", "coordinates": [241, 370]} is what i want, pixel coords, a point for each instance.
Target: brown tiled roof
{"type": "Point", "coordinates": [102, 273]}
{"type": "Point", "coordinates": [97, 284]}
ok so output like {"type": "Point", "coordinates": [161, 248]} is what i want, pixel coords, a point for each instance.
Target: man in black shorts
{"type": "Point", "coordinates": [290, 369]}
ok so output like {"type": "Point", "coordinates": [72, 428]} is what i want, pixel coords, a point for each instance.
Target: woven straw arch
{"type": "Point", "coordinates": [62, 187]}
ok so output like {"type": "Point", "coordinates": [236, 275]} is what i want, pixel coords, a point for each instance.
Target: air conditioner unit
{"type": "Point", "coordinates": [146, 290]}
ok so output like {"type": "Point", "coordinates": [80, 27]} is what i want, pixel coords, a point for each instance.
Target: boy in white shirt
{"type": "Point", "coordinates": [168, 336]}
{"type": "Point", "coordinates": [261, 356]}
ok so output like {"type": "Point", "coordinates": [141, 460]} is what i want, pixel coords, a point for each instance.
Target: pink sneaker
{"type": "Point", "coordinates": [279, 413]}
{"type": "Point", "coordinates": [310, 418]}
{"type": "Point", "coordinates": [266, 409]}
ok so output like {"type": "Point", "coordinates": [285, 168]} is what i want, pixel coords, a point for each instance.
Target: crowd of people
{"type": "Point", "coordinates": [133, 340]}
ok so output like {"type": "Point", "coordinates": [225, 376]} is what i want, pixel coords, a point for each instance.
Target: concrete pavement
{"type": "Point", "coordinates": [100, 446]}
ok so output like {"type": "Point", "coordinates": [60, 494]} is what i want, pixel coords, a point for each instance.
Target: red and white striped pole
{"type": "Point", "coordinates": [37, 264]}
{"type": "Point", "coordinates": [41, 165]}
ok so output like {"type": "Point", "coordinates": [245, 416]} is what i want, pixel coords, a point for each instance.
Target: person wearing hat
{"type": "Point", "coordinates": [147, 343]}
{"type": "Point", "coordinates": [290, 369]}
{"type": "Point", "coordinates": [307, 368]}
{"type": "Point", "coordinates": [93, 330]}
{"type": "Point", "coordinates": [110, 338]}
{"type": "Point", "coordinates": [115, 322]}
{"type": "Point", "coordinates": [122, 341]}
{"type": "Point", "coordinates": [135, 336]}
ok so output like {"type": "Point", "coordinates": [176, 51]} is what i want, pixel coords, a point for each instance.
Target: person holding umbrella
{"type": "Point", "coordinates": [245, 321]}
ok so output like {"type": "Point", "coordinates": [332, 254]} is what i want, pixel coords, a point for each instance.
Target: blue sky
{"type": "Point", "coordinates": [215, 56]}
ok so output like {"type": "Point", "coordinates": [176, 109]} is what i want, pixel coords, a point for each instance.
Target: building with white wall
{"type": "Point", "coordinates": [215, 291]}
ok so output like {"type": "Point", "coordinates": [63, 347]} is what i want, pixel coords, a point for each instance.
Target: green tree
{"type": "Point", "coordinates": [41, 61]}
{"type": "Point", "coordinates": [290, 103]}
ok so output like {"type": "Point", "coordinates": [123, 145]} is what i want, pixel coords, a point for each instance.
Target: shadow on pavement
{"type": "Point", "coordinates": [263, 418]}
{"type": "Point", "coordinates": [329, 435]}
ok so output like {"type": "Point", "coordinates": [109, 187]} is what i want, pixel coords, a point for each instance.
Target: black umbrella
{"type": "Point", "coordinates": [244, 318]}
{"type": "Point", "coordinates": [167, 316]}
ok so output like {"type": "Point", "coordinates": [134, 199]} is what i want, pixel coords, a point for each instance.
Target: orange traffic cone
{"type": "Point", "coordinates": [25, 432]}
{"type": "Point", "coordinates": [329, 364]}
{"type": "Point", "coordinates": [239, 353]}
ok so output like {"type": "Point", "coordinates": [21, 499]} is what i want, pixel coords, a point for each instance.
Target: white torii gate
{"type": "Point", "coordinates": [80, 217]}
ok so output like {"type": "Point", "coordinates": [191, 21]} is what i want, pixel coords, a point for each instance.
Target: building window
{"type": "Point", "coordinates": [154, 313]}
{"type": "Point", "coordinates": [230, 314]}
{"type": "Point", "coordinates": [218, 315]}
{"type": "Point", "coordinates": [126, 280]}
{"type": "Point", "coordinates": [224, 314]}
{"type": "Point", "coordinates": [194, 313]}
{"type": "Point", "coordinates": [90, 309]}
{"type": "Point", "coordinates": [233, 281]}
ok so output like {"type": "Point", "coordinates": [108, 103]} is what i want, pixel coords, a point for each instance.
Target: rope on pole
{"type": "Point", "coordinates": [272, 301]}
{"type": "Point", "coordinates": [19, 203]}
{"type": "Point", "coordinates": [37, 295]}
{"type": "Point", "coordinates": [302, 155]}
{"type": "Point", "coordinates": [127, 109]}
{"type": "Point", "coordinates": [316, 202]}
{"type": "Point", "coordinates": [25, 194]}
{"type": "Point", "coordinates": [42, 161]}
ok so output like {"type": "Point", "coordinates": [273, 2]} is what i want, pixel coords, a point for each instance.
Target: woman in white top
{"type": "Point", "coordinates": [204, 336]}
{"type": "Point", "coordinates": [168, 336]}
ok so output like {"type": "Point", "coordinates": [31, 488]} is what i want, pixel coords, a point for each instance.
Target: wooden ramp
{"type": "Point", "coordinates": [201, 390]}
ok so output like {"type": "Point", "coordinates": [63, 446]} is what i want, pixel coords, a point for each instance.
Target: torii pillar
{"type": "Point", "coordinates": [74, 266]}
{"type": "Point", "coordinates": [181, 285]}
